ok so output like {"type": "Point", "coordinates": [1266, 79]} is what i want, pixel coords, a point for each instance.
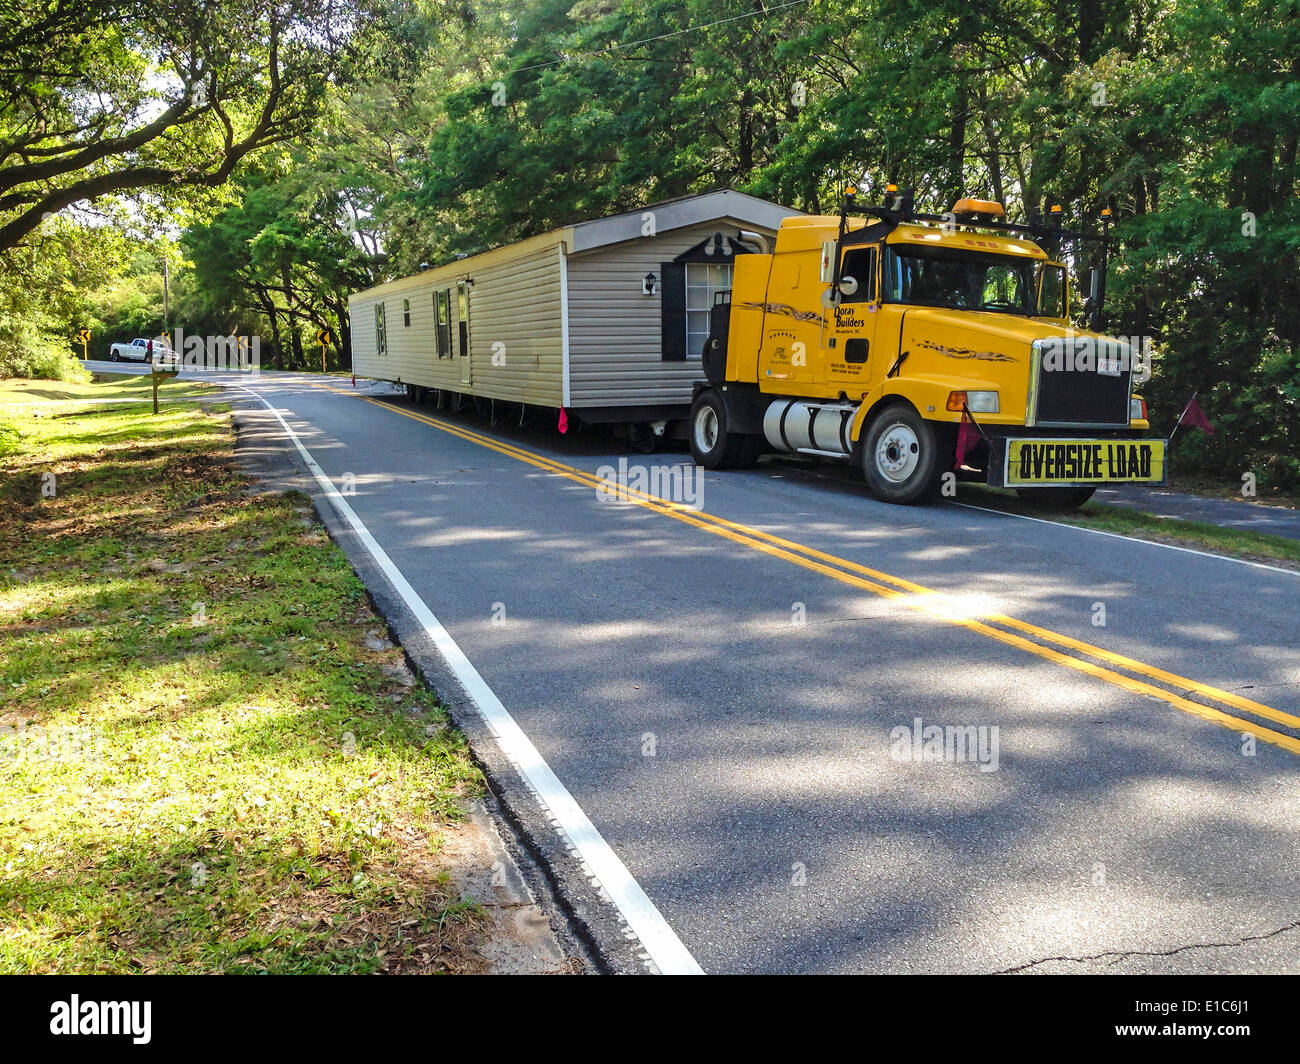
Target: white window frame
{"type": "Point", "coordinates": [710, 290]}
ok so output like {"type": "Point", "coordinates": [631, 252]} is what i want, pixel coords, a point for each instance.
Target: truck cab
{"type": "Point", "coordinates": [917, 346]}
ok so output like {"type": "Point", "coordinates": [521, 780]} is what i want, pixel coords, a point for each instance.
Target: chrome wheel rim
{"type": "Point", "coordinates": [706, 429]}
{"type": "Point", "coordinates": [898, 453]}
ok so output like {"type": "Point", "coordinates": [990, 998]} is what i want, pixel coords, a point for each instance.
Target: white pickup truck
{"type": "Point", "coordinates": [138, 350]}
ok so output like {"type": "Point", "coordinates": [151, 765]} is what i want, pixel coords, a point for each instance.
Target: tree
{"type": "Point", "coordinates": [112, 97]}
{"type": "Point", "coordinates": [283, 252]}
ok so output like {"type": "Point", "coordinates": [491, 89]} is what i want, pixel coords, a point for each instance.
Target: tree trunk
{"type": "Point", "coordinates": [957, 143]}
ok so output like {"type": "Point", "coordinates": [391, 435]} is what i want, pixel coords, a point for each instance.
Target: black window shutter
{"type": "Point", "coordinates": [672, 310]}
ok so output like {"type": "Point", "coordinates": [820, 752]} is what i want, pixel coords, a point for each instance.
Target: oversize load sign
{"type": "Point", "coordinates": [1085, 462]}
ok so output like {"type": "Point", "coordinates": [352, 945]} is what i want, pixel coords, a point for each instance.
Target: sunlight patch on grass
{"type": "Point", "coordinates": [203, 767]}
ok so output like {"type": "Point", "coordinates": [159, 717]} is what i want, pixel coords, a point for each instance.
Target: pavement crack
{"type": "Point", "coordinates": [1119, 955]}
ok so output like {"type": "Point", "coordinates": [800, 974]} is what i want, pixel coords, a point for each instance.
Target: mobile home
{"type": "Point", "coordinates": [605, 318]}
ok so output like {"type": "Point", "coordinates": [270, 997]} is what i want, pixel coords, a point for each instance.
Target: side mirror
{"type": "Point", "coordinates": [848, 285]}
{"type": "Point", "coordinates": [1092, 305]}
{"type": "Point", "coordinates": [1094, 284]}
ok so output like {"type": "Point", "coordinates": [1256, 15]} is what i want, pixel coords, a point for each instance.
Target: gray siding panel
{"type": "Point", "coordinates": [614, 330]}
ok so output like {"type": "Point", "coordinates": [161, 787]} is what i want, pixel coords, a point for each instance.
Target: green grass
{"type": "Point", "coordinates": [1233, 542]}
{"type": "Point", "coordinates": [202, 766]}
{"type": "Point", "coordinates": [22, 396]}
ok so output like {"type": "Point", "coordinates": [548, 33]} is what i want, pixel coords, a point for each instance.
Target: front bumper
{"type": "Point", "coordinates": [1030, 461]}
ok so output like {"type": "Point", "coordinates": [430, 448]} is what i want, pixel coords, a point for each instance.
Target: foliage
{"type": "Point", "coordinates": [111, 97]}
{"type": "Point", "coordinates": [42, 356]}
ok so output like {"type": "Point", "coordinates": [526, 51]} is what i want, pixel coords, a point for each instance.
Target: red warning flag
{"type": "Point", "coordinates": [564, 421]}
{"type": "Point", "coordinates": [968, 434]}
{"type": "Point", "coordinates": [1194, 417]}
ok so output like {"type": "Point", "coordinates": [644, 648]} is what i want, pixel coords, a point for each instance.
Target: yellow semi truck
{"type": "Point", "coordinates": [919, 345]}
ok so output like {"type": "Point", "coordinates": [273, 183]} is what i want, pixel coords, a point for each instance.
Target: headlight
{"type": "Point", "coordinates": [1137, 409]}
{"type": "Point", "coordinates": [975, 402]}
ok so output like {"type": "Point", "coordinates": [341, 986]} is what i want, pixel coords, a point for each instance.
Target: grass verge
{"type": "Point", "coordinates": [1217, 539]}
{"type": "Point", "coordinates": [209, 759]}
{"type": "Point", "coordinates": [54, 398]}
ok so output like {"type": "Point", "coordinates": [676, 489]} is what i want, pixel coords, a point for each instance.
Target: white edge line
{"type": "Point", "coordinates": [661, 943]}
{"type": "Point", "coordinates": [1127, 539]}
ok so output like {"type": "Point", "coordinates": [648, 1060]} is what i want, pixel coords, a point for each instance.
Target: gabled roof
{"type": "Point", "coordinates": [678, 213]}
{"type": "Point", "coordinates": [601, 232]}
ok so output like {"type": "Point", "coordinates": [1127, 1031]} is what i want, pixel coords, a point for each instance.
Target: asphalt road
{"type": "Point", "coordinates": [724, 708]}
{"type": "Point", "coordinates": [1229, 513]}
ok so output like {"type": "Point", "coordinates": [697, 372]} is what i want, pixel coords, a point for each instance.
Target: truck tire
{"type": "Point", "coordinates": [713, 444]}
{"type": "Point", "coordinates": [115, 355]}
{"type": "Point", "coordinates": [1056, 500]}
{"type": "Point", "coordinates": [899, 453]}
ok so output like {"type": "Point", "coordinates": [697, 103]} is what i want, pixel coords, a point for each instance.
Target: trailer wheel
{"type": "Point", "coordinates": [713, 444]}
{"type": "Point", "coordinates": [1056, 500]}
{"type": "Point", "coordinates": [642, 437]}
{"type": "Point", "coordinates": [899, 452]}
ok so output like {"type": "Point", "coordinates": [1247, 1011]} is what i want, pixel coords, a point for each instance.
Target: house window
{"type": "Point", "coordinates": [406, 313]}
{"type": "Point", "coordinates": [381, 333]}
{"type": "Point", "coordinates": [703, 279]}
{"type": "Point", "coordinates": [442, 321]}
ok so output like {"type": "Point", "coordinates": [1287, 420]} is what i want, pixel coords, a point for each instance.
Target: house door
{"type": "Point", "coordinates": [462, 339]}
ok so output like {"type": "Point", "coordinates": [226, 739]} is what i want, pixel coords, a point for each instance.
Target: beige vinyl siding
{"type": "Point", "coordinates": [364, 359]}
{"type": "Point", "coordinates": [515, 301]}
{"type": "Point", "coordinates": [516, 304]}
{"type": "Point", "coordinates": [614, 330]}
{"type": "Point", "coordinates": [410, 349]}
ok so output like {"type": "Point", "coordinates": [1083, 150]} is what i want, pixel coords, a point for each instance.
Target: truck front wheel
{"type": "Point", "coordinates": [713, 444]}
{"type": "Point", "coordinates": [899, 453]}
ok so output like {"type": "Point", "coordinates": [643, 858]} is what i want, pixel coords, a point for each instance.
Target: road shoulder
{"type": "Point", "coordinates": [584, 921]}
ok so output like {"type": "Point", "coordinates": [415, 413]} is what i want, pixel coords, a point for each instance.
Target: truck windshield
{"type": "Point", "coordinates": [959, 279]}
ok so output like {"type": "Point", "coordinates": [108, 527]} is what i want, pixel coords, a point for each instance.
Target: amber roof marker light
{"type": "Point", "coordinates": [978, 208]}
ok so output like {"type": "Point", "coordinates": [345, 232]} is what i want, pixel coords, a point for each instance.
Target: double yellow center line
{"type": "Point", "coordinates": [1082, 657]}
